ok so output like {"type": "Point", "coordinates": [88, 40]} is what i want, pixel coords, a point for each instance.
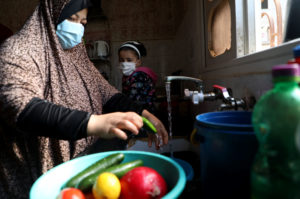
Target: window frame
{"type": "Point", "coordinates": [253, 62]}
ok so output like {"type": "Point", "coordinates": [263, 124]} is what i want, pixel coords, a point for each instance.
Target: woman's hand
{"type": "Point", "coordinates": [162, 134]}
{"type": "Point", "coordinates": [111, 125]}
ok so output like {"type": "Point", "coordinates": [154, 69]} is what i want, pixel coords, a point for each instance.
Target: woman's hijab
{"type": "Point", "coordinates": [72, 7]}
{"type": "Point", "coordinates": [33, 64]}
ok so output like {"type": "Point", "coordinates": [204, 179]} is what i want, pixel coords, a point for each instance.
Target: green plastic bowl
{"type": "Point", "coordinates": [49, 184]}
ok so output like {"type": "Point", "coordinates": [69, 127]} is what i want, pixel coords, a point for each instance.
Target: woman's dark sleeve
{"type": "Point", "coordinates": [119, 102]}
{"type": "Point", "coordinates": [43, 118]}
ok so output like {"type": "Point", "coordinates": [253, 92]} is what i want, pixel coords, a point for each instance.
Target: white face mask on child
{"type": "Point", "coordinates": [127, 68]}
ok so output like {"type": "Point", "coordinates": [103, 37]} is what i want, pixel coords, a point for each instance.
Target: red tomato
{"type": "Point", "coordinates": [71, 193]}
{"type": "Point", "coordinates": [142, 183]}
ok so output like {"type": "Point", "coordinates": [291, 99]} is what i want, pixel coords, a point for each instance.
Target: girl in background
{"type": "Point", "coordinates": [138, 82]}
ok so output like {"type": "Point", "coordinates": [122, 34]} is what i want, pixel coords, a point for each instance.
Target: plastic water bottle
{"type": "Point", "coordinates": [276, 121]}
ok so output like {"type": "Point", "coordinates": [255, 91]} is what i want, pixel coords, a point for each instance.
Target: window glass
{"type": "Point", "coordinates": [264, 21]}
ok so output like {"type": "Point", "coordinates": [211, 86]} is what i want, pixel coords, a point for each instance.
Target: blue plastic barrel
{"type": "Point", "coordinates": [227, 149]}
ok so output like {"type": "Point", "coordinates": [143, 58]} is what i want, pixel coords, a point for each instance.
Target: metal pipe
{"type": "Point", "coordinates": [171, 78]}
{"type": "Point", "coordinates": [198, 82]}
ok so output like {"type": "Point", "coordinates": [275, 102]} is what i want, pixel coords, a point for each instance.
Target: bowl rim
{"type": "Point", "coordinates": [187, 167]}
{"type": "Point", "coordinates": [179, 186]}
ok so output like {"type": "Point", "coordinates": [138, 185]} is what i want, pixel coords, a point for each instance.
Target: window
{"type": "Point", "coordinates": [252, 26]}
{"type": "Point", "coordinates": [264, 20]}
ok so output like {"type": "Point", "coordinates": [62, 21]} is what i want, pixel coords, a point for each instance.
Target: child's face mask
{"type": "Point", "coordinates": [69, 33]}
{"type": "Point", "coordinates": [127, 68]}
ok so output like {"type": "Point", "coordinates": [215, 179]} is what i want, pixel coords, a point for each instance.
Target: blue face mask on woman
{"type": "Point", "coordinates": [69, 33]}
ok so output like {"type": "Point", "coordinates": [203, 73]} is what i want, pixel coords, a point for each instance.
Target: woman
{"type": "Point", "coordinates": [138, 82]}
{"type": "Point", "coordinates": [53, 100]}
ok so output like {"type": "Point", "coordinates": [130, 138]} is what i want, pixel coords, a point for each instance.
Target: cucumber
{"type": "Point", "coordinates": [149, 126]}
{"type": "Point", "coordinates": [119, 170]}
{"type": "Point", "coordinates": [95, 168]}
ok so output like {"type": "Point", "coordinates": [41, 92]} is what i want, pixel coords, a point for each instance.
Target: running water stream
{"type": "Point", "coordinates": [168, 92]}
{"type": "Point", "coordinates": [188, 169]}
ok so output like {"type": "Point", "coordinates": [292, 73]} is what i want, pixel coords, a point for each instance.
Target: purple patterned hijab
{"type": "Point", "coordinates": [33, 64]}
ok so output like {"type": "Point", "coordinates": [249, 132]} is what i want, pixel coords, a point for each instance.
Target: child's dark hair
{"type": "Point", "coordinates": [136, 46]}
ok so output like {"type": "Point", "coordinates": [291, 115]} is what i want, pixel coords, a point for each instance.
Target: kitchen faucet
{"type": "Point", "coordinates": [218, 92]}
{"type": "Point", "coordinates": [199, 82]}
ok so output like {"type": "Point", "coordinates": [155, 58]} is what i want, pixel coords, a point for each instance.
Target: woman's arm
{"type": "Point", "coordinates": [43, 118]}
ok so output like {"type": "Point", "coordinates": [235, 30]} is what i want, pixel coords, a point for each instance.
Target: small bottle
{"type": "Point", "coordinates": [276, 122]}
{"type": "Point", "coordinates": [296, 53]}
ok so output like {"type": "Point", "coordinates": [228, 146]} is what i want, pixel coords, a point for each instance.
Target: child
{"type": "Point", "coordinates": [138, 81]}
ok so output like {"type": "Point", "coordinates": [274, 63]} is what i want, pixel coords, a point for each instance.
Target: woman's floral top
{"type": "Point", "coordinates": [140, 87]}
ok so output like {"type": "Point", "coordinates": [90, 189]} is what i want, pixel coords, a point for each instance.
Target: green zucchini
{"type": "Point", "coordinates": [119, 170]}
{"type": "Point", "coordinates": [96, 167]}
